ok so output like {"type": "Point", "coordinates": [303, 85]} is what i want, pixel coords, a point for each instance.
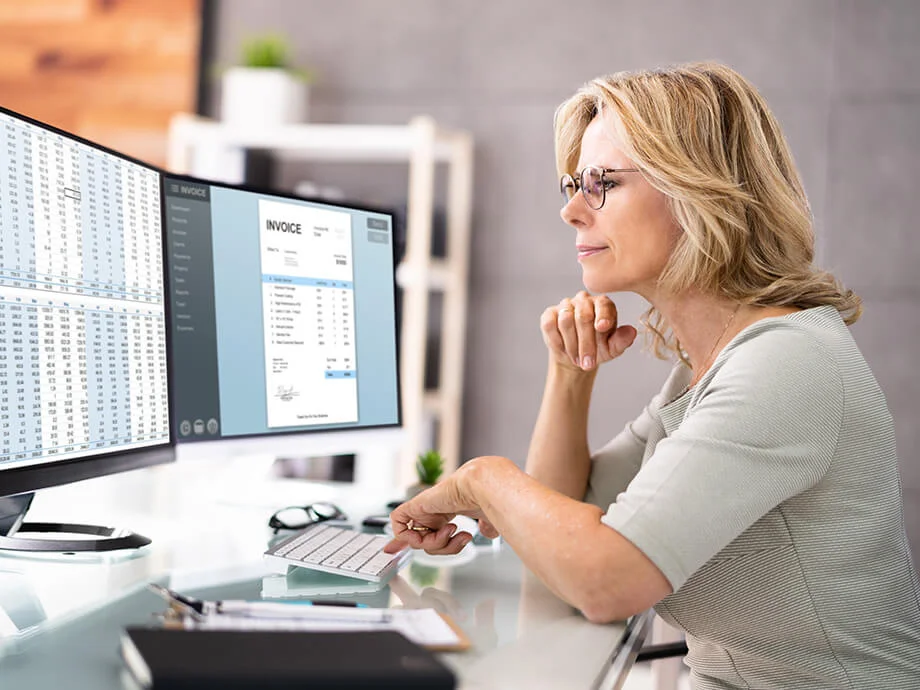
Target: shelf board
{"type": "Point", "coordinates": [432, 403]}
{"type": "Point", "coordinates": [438, 274]}
{"type": "Point", "coordinates": [331, 142]}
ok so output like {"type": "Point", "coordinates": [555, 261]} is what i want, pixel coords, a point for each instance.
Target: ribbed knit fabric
{"type": "Point", "coordinates": [769, 496]}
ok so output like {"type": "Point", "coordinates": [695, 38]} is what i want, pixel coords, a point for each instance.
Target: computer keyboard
{"type": "Point", "coordinates": [339, 550]}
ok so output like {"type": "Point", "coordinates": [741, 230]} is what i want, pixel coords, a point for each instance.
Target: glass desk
{"type": "Point", "coordinates": [61, 620]}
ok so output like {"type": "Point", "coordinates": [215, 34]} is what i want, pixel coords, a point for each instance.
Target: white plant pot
{"type": "Point", "coordinates": [262, 97]}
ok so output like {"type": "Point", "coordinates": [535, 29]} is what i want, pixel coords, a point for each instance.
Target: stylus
{"type": "Point", "coordinates": [312, 611]}
{"type": "Point", "coordinates": [344, 610]}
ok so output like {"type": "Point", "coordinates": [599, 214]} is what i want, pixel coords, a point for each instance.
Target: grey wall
{"type": "Point", "coordinates": [843, 76]}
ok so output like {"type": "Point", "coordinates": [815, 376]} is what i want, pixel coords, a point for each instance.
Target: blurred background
{"type": "Point", "coordinates": [843, 77]}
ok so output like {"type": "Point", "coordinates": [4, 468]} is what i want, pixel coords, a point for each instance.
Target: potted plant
{"type": "Point", "coordinates": [265, 89]}
{"type": "Point", "coordinates": [429, 467]}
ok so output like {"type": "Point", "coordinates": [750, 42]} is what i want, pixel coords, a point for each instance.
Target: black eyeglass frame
{"type": "Point", "coordinates": [314, 515]}
{"type": "Point", "coordinates": [577, 183]}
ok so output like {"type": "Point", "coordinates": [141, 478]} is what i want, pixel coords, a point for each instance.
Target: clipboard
{"type": "Point", "coordinates": [428, 628]}
{"type": "Point", "coordinates": [461, 645]}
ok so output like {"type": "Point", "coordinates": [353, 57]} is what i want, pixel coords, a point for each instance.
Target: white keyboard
{"type": "Point", "coordinates": [339, 550]}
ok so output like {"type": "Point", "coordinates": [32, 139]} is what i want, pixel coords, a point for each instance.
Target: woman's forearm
{"type": "Point", "coordinates": [564, 542]}
{"type": "Point", "coordinates": [559, 456]}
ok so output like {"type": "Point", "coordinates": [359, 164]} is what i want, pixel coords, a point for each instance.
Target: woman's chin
{"type": "Point", "coordinates": [600, 284]}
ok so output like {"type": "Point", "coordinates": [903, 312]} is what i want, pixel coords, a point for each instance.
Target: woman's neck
{"type": "Point", "coordinates": [705, 324]}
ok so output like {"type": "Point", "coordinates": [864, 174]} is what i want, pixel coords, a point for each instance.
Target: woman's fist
{"type": "Point", "coordinates": [582, 332]}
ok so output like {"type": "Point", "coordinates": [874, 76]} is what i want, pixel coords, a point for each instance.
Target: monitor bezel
{"type": "Point", "coordinates": [43, 475]}
{"type": "Point", "coordinates": [347, 205]}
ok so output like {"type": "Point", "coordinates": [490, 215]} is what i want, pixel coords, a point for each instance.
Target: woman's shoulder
{"type": "Point", "coordinates": [802, 350]}
{"type": "Point", "coordinates": [814, 333]}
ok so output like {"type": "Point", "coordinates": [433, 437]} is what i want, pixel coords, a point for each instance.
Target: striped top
{"type": "Point", "coordinates": [768, 494]}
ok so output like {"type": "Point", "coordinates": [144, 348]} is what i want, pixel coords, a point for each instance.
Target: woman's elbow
{"type": "Point", "coordinates": [601, 611]}
{"type": "Point", "coordinates": [623, 581]}
{"type": "Point", "coordinates": [620, 599]}
{"type": "Point", "coordinates": [600, 616]}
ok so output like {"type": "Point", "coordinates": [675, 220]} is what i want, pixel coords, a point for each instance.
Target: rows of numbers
{"type": "Point", "coordinates": [76, 220]}
{"type": "Point", "coordinates": [82, 327]}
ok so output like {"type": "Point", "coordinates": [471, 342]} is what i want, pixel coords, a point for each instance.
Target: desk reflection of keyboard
{"type": "Point", "coordinates": [339, 550]}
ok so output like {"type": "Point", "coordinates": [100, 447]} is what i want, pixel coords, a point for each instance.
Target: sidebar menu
{"type": "Point", "coordinates": [196, 385]}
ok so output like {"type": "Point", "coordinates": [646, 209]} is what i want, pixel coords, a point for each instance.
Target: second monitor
{"type": "Point", "coordinates": [283, 314]}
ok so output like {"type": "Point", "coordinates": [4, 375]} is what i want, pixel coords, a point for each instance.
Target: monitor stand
{"type": "Point", "coordinates": [12, 515]}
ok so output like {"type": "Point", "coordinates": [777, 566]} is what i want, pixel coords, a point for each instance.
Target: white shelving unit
{"type": "Point", "coordinates": [213, 150]}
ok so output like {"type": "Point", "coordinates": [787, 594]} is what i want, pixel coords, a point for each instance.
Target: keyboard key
{"type": "Point", "coordinates": [377, 563]}
{"type": "Point", "coordinates": [293, 542]}
{"type": "Point", "coordinates": [347, 551]}
{"type": "Point", "coordinates": [311, 545]}
{"type": "Point", "coordinates": [330, 547]}
{"type": "Point", "coordinates": [362, 557]}
{"type": "Point", "coordinates": [336, 549]}
{"type": "Point", "coordinates": [285, 547]}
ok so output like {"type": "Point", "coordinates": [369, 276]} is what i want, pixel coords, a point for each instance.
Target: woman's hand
{"type": "Point", "coordinates": [424, 522]}
{"type": "Point", "coordinates": [582, 332]}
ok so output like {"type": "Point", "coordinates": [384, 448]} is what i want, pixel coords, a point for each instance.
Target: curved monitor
{"type": "Point", "coordinates": [283, 321]}
{"type": "Point", "coordinates": [83, 311]}
{"type": "Point", "coordinates": [138, 309]}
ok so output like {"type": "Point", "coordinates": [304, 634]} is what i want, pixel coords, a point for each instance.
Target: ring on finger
{"type": "Point", "coordinates": [416, 528]}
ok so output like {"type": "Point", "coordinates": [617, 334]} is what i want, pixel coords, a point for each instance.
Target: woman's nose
{"type": "Point", "coordinates": [572, 213]}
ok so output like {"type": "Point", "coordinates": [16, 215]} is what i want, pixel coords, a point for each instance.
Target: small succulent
{"type": "Point", "coordinates": [430, 466]}
{"type": "Point", "coordinates": [265, 50]}
{"type": "Point", "coordinates": [271, 50]}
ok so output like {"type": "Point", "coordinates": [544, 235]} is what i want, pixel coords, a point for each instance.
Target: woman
{"type": "Point", "coordinates": [755, 502]}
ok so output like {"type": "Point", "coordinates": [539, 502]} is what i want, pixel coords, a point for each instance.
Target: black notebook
{"type": "Point", "coordinates": [164, 659]}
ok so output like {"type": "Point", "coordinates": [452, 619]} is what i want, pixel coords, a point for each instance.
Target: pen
{"type": "Point", "coordinates": [305, 611]}
{"type": "Point", "coordinates": [313, 610]}
{"type": "Point", "coordinates": [236, 606]}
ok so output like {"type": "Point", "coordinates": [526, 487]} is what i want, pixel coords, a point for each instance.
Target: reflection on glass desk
{"type": "Point", "coordinates": [522, 636]}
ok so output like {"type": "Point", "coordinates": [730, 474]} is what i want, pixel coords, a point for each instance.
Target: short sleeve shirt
{"type": "Point", "coordinates": [769, 496]}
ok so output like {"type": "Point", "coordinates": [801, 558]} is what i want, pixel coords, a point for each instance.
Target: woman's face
{"type": "Point", "coordinates": [626, 244]}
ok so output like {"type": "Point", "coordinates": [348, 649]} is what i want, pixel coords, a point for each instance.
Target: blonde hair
{"type": "Point", "coordinates": [702, 135]}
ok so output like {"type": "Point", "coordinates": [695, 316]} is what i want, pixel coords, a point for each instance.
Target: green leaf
{"type": "Point", "coordinates": [271, 50]}
{"type": "Point", "coordinates": [429, 466]}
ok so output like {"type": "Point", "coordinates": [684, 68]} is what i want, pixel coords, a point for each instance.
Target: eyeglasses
{"type": "Point", "coordinates": [298, 517]}
{"type": "Point", "coordinates": [592, 182]}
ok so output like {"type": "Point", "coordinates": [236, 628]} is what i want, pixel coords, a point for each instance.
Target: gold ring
{"type": "Point", "coordinates": [416, 528]}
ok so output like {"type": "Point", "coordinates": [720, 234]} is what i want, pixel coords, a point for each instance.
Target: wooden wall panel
{"type": "Point", "coordinates": [113, 71]}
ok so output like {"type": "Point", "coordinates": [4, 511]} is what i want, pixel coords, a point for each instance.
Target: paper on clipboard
{"type": "Point", "coordinates": [425, 627]}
